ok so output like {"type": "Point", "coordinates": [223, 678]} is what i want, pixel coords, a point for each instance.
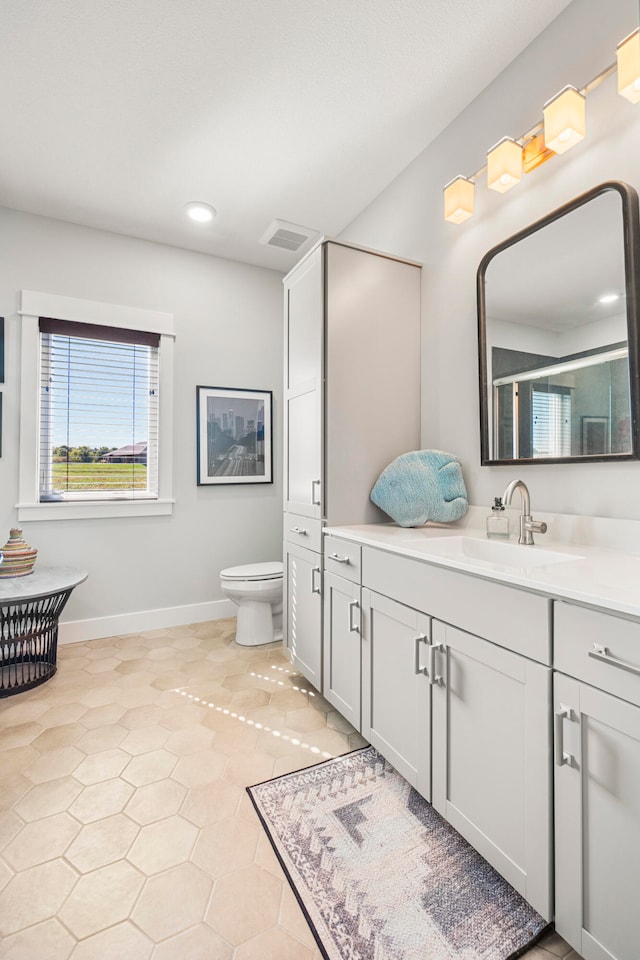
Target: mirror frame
{"type": "Point", "coordinates": [631, 237]}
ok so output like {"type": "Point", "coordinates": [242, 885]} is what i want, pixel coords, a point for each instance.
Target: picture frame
{"type": "Point", "coordinates": [234, 429]}
{"type": "Point", "coordinates": [596, 437]}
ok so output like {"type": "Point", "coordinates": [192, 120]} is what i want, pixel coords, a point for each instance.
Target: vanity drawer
{"type": "Point", "coordinates": [342, 557]}
{"type": "Point", "coordinates": [303, 530]}
{"type": "Point", "coordinates": [581, 637]}
{"type": "Point", "coordinates": [512, 618]}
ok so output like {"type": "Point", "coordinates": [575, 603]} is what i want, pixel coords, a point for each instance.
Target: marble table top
{"type": "Point", "coordinates": [43, 581]}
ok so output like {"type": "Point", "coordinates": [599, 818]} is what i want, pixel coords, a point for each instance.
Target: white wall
{"type": "Point", "coordinates": [228, 320]}
{"type": "Point", "coordinates": [590, 336]}
{"type": "Point", "coordinates": [407, 219]}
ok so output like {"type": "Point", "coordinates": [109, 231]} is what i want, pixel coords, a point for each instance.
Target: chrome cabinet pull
{"type": "Point", "coordinates": [314, 570]}
{"type": "Point", "coordinates": [562, 758]}
{"type": "Point", "coordinates": [339, 559]}
{"type": "Point", "coordinates": [602, 654]}
{"type": "Point", "coordinates": [421, 638]}
{"type": "Point", "coordinates": [353, 605]}
{"type": "Point", "coordinates": [300, 530]}
{"type": "Point", "coordinates": [434, 678]}
{"type": "Point", "coordinates": [314, 484]}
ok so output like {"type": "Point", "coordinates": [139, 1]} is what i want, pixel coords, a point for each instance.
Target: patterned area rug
{"type": "Point", "coordinates": [380, 875]}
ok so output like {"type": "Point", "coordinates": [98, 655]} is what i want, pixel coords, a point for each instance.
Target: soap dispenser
{"type": "Point", "coordinates": [498, 521]}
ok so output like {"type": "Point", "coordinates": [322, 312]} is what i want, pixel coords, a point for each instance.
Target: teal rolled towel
{"type": "Point", "coordinates": [422, 485]}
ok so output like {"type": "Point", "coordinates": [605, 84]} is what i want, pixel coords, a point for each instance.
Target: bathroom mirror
{"type": "Point", "coordinates": [558, 335]}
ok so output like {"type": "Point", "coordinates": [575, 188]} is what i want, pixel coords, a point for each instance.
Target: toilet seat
{"type": "Point", "coordinates": [254, 571]}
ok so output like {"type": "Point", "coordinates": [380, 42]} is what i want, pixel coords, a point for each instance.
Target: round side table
{"type": "Point", "coordinates": [29, 611]}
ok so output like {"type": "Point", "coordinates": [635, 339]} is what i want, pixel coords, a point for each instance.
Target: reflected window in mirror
{"type": "Point", "coordinates": [558, 330]}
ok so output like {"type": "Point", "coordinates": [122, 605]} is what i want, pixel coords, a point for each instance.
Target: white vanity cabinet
{"type": "Point", "coordinates": [597, 782]}
{"type": "Point", "coordinates": [341, 646]}
{"type": "Point", "coordinates": [302, 582]}
{"type": "Point", "coordinates": [351, 397]}
{"type": "Point", "coordinates": [396, 688]}
{"type": "Point", "coordinates": [488, 741]}
{"type": "Point", "coordinates": [530, 749]}
{"type": "Point", "coordinates": [491, 765]}
{"type": "Point", "coordinates": [342, 628]}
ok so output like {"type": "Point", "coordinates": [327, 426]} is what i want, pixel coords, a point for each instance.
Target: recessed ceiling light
{"type": "Point", "coordinates": [609, 298]}
{"type": "Point", "coordinates": [200, 212]}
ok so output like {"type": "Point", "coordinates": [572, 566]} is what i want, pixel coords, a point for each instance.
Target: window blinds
{"type": "Point", "coordinates": [551, 426]}
{"type": "Point", "coordinates": [98, 412]}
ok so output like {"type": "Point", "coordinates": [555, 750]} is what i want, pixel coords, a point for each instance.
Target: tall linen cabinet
{"type": "Point", "coordinates": [352, 404]}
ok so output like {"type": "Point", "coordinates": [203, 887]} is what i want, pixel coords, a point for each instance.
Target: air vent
{"type": "Point", "coordinates": [287, 236]}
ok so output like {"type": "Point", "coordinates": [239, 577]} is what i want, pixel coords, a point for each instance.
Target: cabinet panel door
{"type": "Point", "coordinates": [492, 757]}
{"type": "Point", "coordinates": [303, 453]}
{"type": "Point", "coordinates": [304, 306]}
{"type": "Point", "coordinates": [303, 619]}
{"type": "Point", "coordinates": [342, 655]}
{"type": "Point", "coordinates": [597, 821]}
{"type": "Point", "coordinates": [396, 693]}
{"type": "Point", "coordinates": [304, 363]}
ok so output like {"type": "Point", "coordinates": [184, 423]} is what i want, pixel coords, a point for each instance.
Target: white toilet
{"type": "Point", "coordinates": [257, 590]}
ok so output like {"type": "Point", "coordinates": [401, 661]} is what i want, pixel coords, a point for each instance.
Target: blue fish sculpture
{"type": "Point", "coordinates": [422, 485]}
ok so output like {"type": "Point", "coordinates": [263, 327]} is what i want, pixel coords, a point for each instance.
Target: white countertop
{"type": "Point", "coordinates": [603, 578]}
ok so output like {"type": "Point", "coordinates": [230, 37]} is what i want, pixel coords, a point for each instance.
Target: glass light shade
{"type": "Point", "coordinates": [628, 54]}
{"type": "Point", "coordinates": [504, 165]}
{"type": "Point", "coordinates": [565, 120]}
{"type": "Point", "coordinates": [458, 200]}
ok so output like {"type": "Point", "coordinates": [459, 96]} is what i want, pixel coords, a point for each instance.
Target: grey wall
{"type": "Point", "coordinates": [407, 219]}
{"type": "Point", "coordinates": [228, 321]}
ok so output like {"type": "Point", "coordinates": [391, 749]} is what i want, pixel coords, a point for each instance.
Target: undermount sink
{"type": "Point", "coordinates": [495, 552]}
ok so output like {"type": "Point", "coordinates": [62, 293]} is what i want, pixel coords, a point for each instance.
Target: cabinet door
{"type": "Point", "coordinates": [342, 656]}
{"type": "Point", "coordinates": [492, 757]}
{"type": "Point", "coordinates": [303, 611]}
{"type": "Point", "coordinates": [597, 821]}
{"type": "Point", "coordinates": [396, 691]}
{"type": "Point", "coordinates": [304, 319]}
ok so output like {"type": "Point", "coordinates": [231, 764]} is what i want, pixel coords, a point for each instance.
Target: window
{"type": "Point", "coordinates": [551, 427]}
{"type": "Point", "coordinates": [96, 401]}
{"type": "Point", "coordinates": [98, 412]}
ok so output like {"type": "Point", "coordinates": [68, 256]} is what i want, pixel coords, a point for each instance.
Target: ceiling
{"type": "Point", "coordinates": [115, 113]}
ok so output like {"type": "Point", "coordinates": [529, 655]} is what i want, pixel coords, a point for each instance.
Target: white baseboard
{"type": "Point", "coordinates": [75, 631]}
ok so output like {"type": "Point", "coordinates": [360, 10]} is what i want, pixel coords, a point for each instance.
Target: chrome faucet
{"type": "Point", "coordinates": [527, 526]}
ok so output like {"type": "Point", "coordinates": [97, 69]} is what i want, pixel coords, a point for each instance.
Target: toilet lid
{"type": "Point", "coordinates": [253, 571]}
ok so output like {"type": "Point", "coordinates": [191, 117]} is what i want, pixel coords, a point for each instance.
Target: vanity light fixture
{"type": "Point", "coordinates": [458, 199]}
{"type": "Point", "coordinates": [504, 165]}
{"type": "Point", "coordinates": [628, 59]}
{"type": "Point", "coordinates": [200, 212]}
{"type": "Point", "coordinates": [562, 127]}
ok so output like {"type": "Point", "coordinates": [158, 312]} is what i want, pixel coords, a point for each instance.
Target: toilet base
{"type": "Point", "coordinates": [255, 624]}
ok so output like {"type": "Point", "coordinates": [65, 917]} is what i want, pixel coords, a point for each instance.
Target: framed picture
{"type": "Point", "coordinates": [234, 435]}
{"type": "Point", "coordinates": [596, 438]}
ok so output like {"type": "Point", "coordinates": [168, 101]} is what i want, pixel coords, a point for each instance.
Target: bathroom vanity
{"type": "Point", "coordinates": [503, 682]}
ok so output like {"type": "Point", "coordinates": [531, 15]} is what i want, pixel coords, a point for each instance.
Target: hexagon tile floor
{"type": "Point", "coordinates": [125, 829]}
